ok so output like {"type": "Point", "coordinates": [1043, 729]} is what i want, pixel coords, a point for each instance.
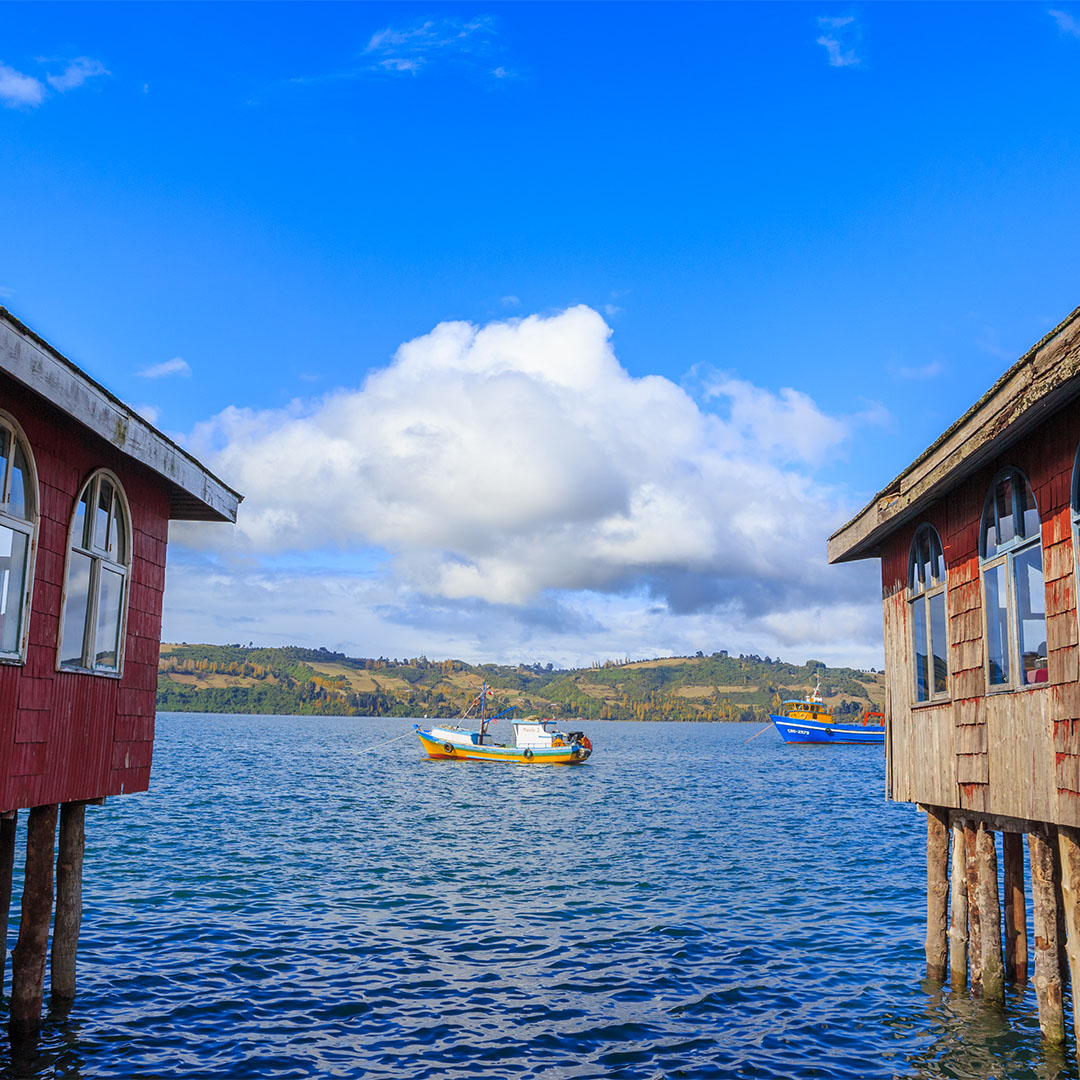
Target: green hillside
{"type": "Point", "coordinates": [298, 681]}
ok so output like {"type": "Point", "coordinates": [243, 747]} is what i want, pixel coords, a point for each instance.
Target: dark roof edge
{"type": "Point", "coordinates": [131, 417]}
{"type": "Point", "coordinates": [892, 489]}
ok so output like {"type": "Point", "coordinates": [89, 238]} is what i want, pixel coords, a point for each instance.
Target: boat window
{"type": "Point", "coordinates": [18, 536]}
{"type": "Point", "coordinates": [96, 581]}
{"type": "Point", "coordinates": [926, 596]}
{"type": "Point", "coordinates": [1014, 594]}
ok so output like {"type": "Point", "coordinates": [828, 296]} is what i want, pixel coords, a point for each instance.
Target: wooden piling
{"type": "Point", "coordinates": [1016, 938]}
{"type": "Point", "coordinates": [958, 925]}
{"type": "Point", "coordinates": [937, 891]}
{"type": "Point", "coordinates": [993, 970]}
{"type": "Point", "coordinates": [1069, 851]}
{"type": "Point", "coordinates": [69, 863]}
{"type": "Point", "coordinates": [974, 922]}
{"type": "Point", "coordinates": [8, 822]}
{"type": "Point", "coordinates": [28, 956]}
{"type": "Point", "coordinates": [1043, 852]}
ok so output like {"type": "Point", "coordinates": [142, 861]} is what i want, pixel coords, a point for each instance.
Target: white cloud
{"type": "Point", "coordinates": [1067, 24]}
{"type": "Point", "coordinates": [409, 49]}
{"type": "Point", "coordinates": [176, 366]}
{"type": "Point", "coordinates": [76, 73]}
{"type": "Point", "coordinates": [516, 473]}
{"type": "Point", "coordinates": [839, 40]}
{"type": "Point", "coordinates": [149, 413]}
{"type": "Point", "coordinates": [930, 370]}
{"type": "Point", "coordinates": [17, 89]}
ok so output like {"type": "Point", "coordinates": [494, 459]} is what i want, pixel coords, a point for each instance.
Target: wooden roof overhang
{"type": "Point", "coordinates": [195, 494]}
{"type": "Point", "coordinates": [1044, 379]}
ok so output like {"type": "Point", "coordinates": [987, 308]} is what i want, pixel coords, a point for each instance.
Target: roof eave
{"type": "Point", "coordinates": [196, 494]}
{"type": "Point", "coordinates": [1042, 381]}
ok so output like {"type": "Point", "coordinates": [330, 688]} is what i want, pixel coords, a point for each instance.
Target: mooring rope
{"type": "Point", "coordinates": [387, 743]}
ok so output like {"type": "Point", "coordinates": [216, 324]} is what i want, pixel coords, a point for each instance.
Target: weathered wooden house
{"type": "Point", "coordinates": [87, 490]}
{"type": "Point", "coordinates": [978, 546]}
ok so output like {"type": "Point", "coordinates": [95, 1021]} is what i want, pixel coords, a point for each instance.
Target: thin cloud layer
{"type": "Point", "coordinates": [1067, 24]}
{"type": "Point", "coordinates": [409, 49]}
{"type": "Point", "coordinates": [510, 465]}
{"type": "Point", "coordinates": [839, 40]}
{"type": "Point", "coordinates": [176, 366]}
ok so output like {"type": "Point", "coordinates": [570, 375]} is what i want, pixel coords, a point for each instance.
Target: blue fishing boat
{"type": "Point", "coordinates": [811, 721]}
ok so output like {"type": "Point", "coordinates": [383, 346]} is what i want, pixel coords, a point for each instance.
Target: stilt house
{"type": "Point", "coordinates": [87, 490]}
{"type": "Point", "coordinates": [978, 546]}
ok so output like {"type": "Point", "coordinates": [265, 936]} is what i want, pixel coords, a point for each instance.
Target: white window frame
{"type": "Point", "coordinates": [99, 557]}
{"type": "Point", "coordinates": [1005, 556]}
{"type": "Point", "coordinates": [927, 591]}
{"type": "Point", "coordinates": [28, 526]}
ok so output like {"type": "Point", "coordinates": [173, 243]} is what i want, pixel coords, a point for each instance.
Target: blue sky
{"type": "Point", "coordinates": [815, 232]}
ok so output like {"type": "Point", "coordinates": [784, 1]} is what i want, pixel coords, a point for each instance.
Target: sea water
{"type": "Point", "coordinates": [286, 902]}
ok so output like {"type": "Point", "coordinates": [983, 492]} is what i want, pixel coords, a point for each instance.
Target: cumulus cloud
{"type": "Point", "coordinates": [19, 90]}
{"type": "Point", "coordinates": [839, 40]}
{"type": "Point", "coordinates": [1067, 24]}
{"type": "Point", "coordinates": [176, 366]}
{"type": "Point", "coordinates": [506, 468]}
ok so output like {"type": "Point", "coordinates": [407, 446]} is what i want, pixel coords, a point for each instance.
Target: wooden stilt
{"type": "Point", "coordinates": [1043, 852]}
{"type": "Point", "coordinates": [1016, 939]}
{"type": "Point", "coordinates": [1069, 850]}
{"type": "Point", "coordinates": [28, 957]}
{"type": "Point", "coordinates": [7, 864]}
{"type": "Point", "coordinates": [993, 970]}
{"type": "Point", "coordinates": [974, 922]}
{"type": "Point", "coordinates": [937, 891]}
{"type": "Point", "coordinates": [69, 861]}
{"type": "Point", "coordinates": [958, 926]}
{"type": "Point", "coordinates": [1063, 957]}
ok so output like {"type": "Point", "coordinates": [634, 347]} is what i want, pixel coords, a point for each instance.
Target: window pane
{"type": "Point", "coordinates": [1029, 513]}
{"type": "Point", "coordinates": [1003, 500]}
{"type": "Point", "coordinates": [20, 476]}
{"type": "Point", "coordinates": [78, 595]}
{"type": "Point", "coordinates": [922, 683]}
{"type": "Point", "coordinates": [82, 512]}
{"type": "Point", "coordinates": [937, 559]}
{"type": "Point", "coordinates": [924, 558]}
{"type": "Point", "coordinates": [101, 518]}
{"type": "Point", "coordinates": [13, 548]}
{"type": "Point", "coordinates": [117, 533]}
{"type": "Point", "coordinates": [939, 643]}
{"type": "Point", "coordinates": [5, 450]}
{"type": "Point", "coordinates": [997, 626]}
{"type": "Point", "coordinates": [989, 531]}
{"type": "Point", "coordinates": [1031, 613]}
{"type": "Point", "coordinates": [106, 640]}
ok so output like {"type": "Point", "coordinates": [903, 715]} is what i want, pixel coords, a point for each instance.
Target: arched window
{"type": "Point", "coordinates": [18, 531]}
{"type": "Point", "coordinates": [95, 590]}
{"type": "Point", "coordinates": [926, 596]}
{"type": "Point", "coordinates": [1014, 597]}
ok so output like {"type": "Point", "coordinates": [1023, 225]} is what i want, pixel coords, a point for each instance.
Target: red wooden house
{"type": "Point", "coordinates": [87, 491]}
{"type": "Point", "coordinates": [978, 546]}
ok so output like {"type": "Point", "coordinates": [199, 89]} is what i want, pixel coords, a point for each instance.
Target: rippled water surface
{"type": "Point", "coordinates": [688, 904]}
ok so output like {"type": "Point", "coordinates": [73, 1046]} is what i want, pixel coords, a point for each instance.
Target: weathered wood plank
{"type": "Point", "coordinates": [993, 969]}
{"type": "Point", "coordinates": [1016, 941]}
{"type": "Point", "coordinates": [937, 891]}
{"type": "Point", "coordinates": [975, 957]}
{"type": "Point", "coordinates": [958, 929]}
{"type": "Point", "coordinates": [1069, 853]}
{"type": "Point", "coordinates": [1048, 990]}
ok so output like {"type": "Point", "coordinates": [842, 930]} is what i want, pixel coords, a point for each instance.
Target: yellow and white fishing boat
{"type": "Point", "coordinates": [536, 742]}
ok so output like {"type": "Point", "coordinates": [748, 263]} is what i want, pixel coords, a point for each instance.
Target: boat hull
{"type": "Point", "coordinates": [541, 755]}
{"type": "Point", "coordinates": [817, 731]}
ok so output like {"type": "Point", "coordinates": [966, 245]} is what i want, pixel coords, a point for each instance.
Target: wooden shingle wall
{"type": "Point", "coordinates": [1017, 753]}
{"type": "Point", "coordinates": [68, 736]}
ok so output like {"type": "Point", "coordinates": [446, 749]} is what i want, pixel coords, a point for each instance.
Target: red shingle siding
{"type": "Point", "coordinates": [66, 735]}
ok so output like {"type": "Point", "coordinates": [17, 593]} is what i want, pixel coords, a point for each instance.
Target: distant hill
{"type": "Point", "coordinates": [298, 681]}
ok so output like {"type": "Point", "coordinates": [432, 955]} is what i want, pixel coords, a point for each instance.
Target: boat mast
{"type": "Point", "coordinates": [483, 699]}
